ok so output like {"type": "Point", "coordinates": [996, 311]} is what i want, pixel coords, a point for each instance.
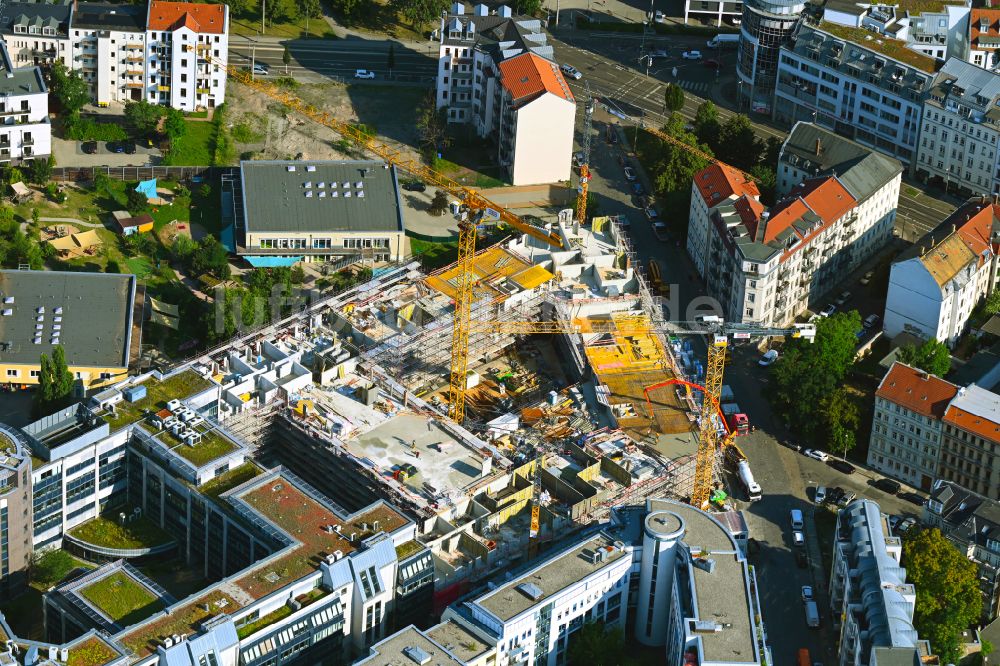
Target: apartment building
{"type": "Point", "coordinates": [187, 47]}
{"type": "Point", "coordinates": [496, 72]}
{"type": "Point", "coordinates": [93, 316]}
{"type": "Point", "coordinates": [971, 522]}
{"type": "Point", "coordinates": [906, 436]}
{"type": "Point", "coordinates": [25, 131]}
{"type": "Point", "coordinates": [970, 434]}
{"type": "Point", "coordinates": [290, 211]}
{"type": "Point", "coordinates": [871, 604]}
{"type": "Point", "coordinates": [867, 89]}
{"type": "Point", "coordinates": [37, 33]}
{"type": "Point", "coordinates": [768, 266]}
{"type": "Point", "coordinates": [108, 49]}
{"type": "Point", "coordinates": [675, 569]}
{"type": "Point", "coordinates": [936, 284]}
{"type": "Point", "coordinates": [984, 38]}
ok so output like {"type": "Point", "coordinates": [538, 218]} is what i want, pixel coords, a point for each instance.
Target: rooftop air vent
{"type": "Point", "coordinates": [416, 654]}
{"type": "Point", "coordinates": [8, 300]}
{"type": "Point", "coordinates": [361, 195]}
{"type": "Point", "coordinates": [8, 312]}
{"type": "Point", "coordinates": [291, 168]}
{"type": "Point", "coordinates": [309, 194]}
{"type": "Point", "coordinates": [308, 184]}
{"type": "Point", "coordinates": [531, 591]}
{"type": "Point", "coordinates": [706, 627]}
{"type": "Point", "coordinates": [310, 168]}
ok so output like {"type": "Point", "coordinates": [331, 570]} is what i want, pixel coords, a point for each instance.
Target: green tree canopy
{"type": "Point", "coordinates": [40, 170]}
{"type": "Point", "coordinates": [211, 257]}
{"type": "Point", "coordinates": [673, 97]}
{"type": "Point", "coordinates": [595, 645]}
{"type": "Point", "coordinates": [69, 88]}
{"type": "Point", "coordinates": [706, 123]}
{"type": "Point", "coordinates": [676, 166]}
{"type": "Point", "coordinates": [432, 125]}
{"type": "Point", "coordinates": [55, 382]}
{"type": "Point", "coordinates": [142, 116]}
{"type": "Point", "coordinates": [948, 597]}
{"type": "Point", "coordinates": [738, 143]}
{"type": "Point", "coordinates": [932, 356]}
{"type": "Point", "coordinates": [136, 202]}
{"type": "Point", "coordinates": [439, 204]}
{"type": "Point", "coordinates": [175, 127]}
{"type": "Point", "coordinates": [842, 416]}
{"type": "Point", "coordinates": [810, 372]}
{"type": "Point", "coordinates": [419, 12]}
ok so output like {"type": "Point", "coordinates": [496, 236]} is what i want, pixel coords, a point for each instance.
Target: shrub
{"type": "Point", "coordinates": [87, 129]}
{"type": "Point", "coordinates": [243, 133]}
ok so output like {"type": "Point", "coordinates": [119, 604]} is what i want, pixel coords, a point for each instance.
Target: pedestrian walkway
{"type": "Point", "coordinates": [697, 87]}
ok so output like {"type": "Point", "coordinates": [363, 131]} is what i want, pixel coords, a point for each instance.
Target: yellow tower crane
{"type": "Point", "coordinates": [581, 203]}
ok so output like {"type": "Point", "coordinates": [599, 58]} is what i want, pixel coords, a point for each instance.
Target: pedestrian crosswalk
{"type": "Point", "coordinates": [698, 87]}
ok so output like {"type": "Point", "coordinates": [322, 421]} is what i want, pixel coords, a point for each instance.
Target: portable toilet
{"type": "Point", "coordinates": [134, 393]}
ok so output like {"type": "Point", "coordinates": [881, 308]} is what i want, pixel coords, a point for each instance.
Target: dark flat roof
{"type": "Point", "coordinates": [99, 15]}
{"type": "Point", "coordinates": [320, 196]}
{"type": "Point", "coordinates": [94, 324]}
{"type": "Point", "coordinates": [38, 14]}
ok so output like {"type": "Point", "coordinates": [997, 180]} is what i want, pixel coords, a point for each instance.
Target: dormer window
{"type": "Point", "coordinates": [20, 28]}
{"type": "Point", "coordinates": [984, 25]}
{"type": "Point", "coordinates": [33, 30]}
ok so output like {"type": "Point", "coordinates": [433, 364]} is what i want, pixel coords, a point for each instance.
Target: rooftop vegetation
{"type": "Point", "coordinates": [183, 620]}
{"type": "Point", "coordinates": [122, 598]}
{"type": "Point", "coordinates": [229, 480]}
{"type": "Point", "coordinates": [91, 652]}
{"type": "Point", "coordinates": [212, 446]}
{"type": "Point", "coordinates": [280, 613]}
{"type": "Point", "coordinates": [408, 548]}
{"type": "Point", "coordinates": [892, 48]}
{"type": "Point", "coordinates": [107, 532]}
{"type": "Point", "coordinates": [158, 393]}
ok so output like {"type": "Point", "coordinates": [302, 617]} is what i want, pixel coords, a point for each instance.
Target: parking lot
{"type": "Point", "coordinates": [70, 154]}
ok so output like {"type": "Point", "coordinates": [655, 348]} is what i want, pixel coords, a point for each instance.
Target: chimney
{"type": "Point", "coordinates": [819, 145]}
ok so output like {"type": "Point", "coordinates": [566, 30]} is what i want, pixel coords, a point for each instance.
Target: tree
{"type": "Point", "coordinates": [391, 58]}
{"type": "Point", "coordinates": [175, 126]}
{"type": "Point", "coordinates": [55, 382]}
{"type": "Point", "coordinates": [767, 182]}
{"type": "Point", "coordinates": [211, 257]}
{"type": "Point", "coordinates": [50, 567]}
{"type": "Point", "coordinates": [40, 170]}
{"type": "Point", "coordinates": [809, 372]}
{"type": "Point", "coordinates": [310, 9]}
{"type": "Point", "coordinates": [347, 7]}
{"type": "Point", "coordinates": [528, 7]}
{"type": "Point", "coordinates": [596, 645]}
{"type": "Point", "coordinates": [676, 166]}
{"type": "Point", "coordinates": [738, 143]}
{"type": "Point", "coordinates": [136, 202]}
{"type": "Point", "coordinates": [673, 98]}
{"type": "Point", "coordinates": [62, 378]}
{"type": "Point", "coordinates": [34, 216]}
{"type": "Point", "coordinates": [932, 356]}
{"type": "Point", "coordinates": [842, 416]}
{"type": "Point", "coordinates": [439, 204]}
{"type": "Point", "coordinates": [142, 116]}
{"type": "Point", "coordinates": [706, 123]}
{"type": "Point", "coordinates": [286, 58]}
{"type": "Point", "coordinates": [432, 124]}
{"type": "Point", "coordinates": [419, 12]}
{"type": "Point", "coordinates": [948, 597]}
{"type": "Point", "coordinates": [69, 88]}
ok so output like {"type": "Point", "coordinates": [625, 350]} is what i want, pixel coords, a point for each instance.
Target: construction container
{"type": "Point", "coordinates": [134, 393]}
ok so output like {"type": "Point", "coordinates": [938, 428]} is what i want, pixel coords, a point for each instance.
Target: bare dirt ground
{"type": "Point", "coordinates": [286, 135]}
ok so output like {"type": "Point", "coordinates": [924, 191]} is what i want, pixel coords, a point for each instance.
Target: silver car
{"type": "Point", "coordinates": [571, 71]}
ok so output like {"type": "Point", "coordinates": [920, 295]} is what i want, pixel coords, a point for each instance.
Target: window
{"type": "Point", "coordinates": [13, 373]}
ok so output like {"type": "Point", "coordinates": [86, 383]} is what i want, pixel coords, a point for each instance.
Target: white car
{"type": "Point", "coordinates": [629, 174]}
{"type": "Point", "coordinates": [261, 68]}
{"type": "Point", "coordinates": [691, 55]}
{"type": "Point", "coordinates": [807, 593]}
{"type": "Point", "coordinates": [364, 74]}
{"type": "Point", "coordinates": [799, 539]}
{"type": "Point", "coordinates": [843, 298]}
{"type": "Point", "coordinates": [571, 71]}
{"type": "Point", "coordinates": [828, 310]}
{"type": "Point", "coordinates": [816, 454]}
{"type": "Point", "coordinates": [769, 357]}
{"type": "Point", "coordinates": [820, 494]}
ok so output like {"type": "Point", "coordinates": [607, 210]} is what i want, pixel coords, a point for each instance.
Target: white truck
{"type": "Point", "coordinates": [724, 41]}
{"type": "Point", "coordinates": [812, 615]}
{"type": "Point", "coordinates": [753, 489]}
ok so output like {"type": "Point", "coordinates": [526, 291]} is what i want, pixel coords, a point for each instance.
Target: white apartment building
{"type": "Point", "coordinates": [870, 601]}
{"type": "Point", "coordinates": [936, 284]}
{"type": "Point", "coordinates": [678, 569]}
{"type": "Point", "coordinates": [107, 44]}
{"type": "Point", "coordinates": [906, 429]}
{"type": "Point", "coordinates": [25, 132]}
{"type": "Point", "coordinates": [496, 72]}
{"type": "Point", "coordinates": [769, 266]}
{"type": "Point", "coordinates": [37, 33]}
{"type": "Point", "coordinates": [961, 123]}
{"type": "Point", "coordinates": [869, 90]}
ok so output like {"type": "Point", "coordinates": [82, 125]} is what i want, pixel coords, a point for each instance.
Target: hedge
{"type": "Point", "coordinates": [86, 129]}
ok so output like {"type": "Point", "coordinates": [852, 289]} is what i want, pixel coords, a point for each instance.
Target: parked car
{"type": "Point", "coordinates": [841, 466]}
{"type": "Point", "coordinates": [659, 53]}
{"type": "Point", "coordinates": [795, 519]}
{"type": "Point", "coordinates": [867, 278]}
{"type": "Point", "coordinates": [571, 71]}
{"type": "Point", "coordinates": [872, 320]}
{"type": "Point", "coordinates": [913, 498]}
{"type": "Point", "coordinates": [364, 74]}
{"type": "Point", "coordinates": [816, 454]}
{"type": "Point", "coordinates": [798, 539]}
{"type": "Point", "coordinates": [820, 494]}
{"type": "Point", "coordinates": [128, 147]}
{"type": "Point", "coordinates": [116, 146]}
{"type": "Point", "coordinates": [769, 357]}
{"type": "Point", "coordinates": [691, 55]}
{"type": "Point", "coordinates": [414, 186]}
{"type": "Point", "coordinates": [578, 158]}
{"type": "Point", "coordinates": [261, 68]}
{"type": "Point", "coordinates": [659, 16]}
{"type": "Point", "coordinates": [905, 525]}
{"type": "Point", "coordinates": [887, 485]}
{"type": "Point", "coordinates": [629, 174]}
{"type": "Point", "coordinates": [660, 231]}
{"type": "Point", "coordinates": [792, 445]}
{"type": "Point", "coordinates": [847, 498]}
{"type": "Point", "coordinates": [638, 189]}
{"type": "Point", "coordinates": [89, 147]}
{"type": "Point", "coordinates": [650, 213]}
{"type": "Point", "coordinates": [834, 494]}
{"type": "Point", "coordinates": [894, 521]}
{"type": "Point", "coordinates": [828, 310]}
{"type": "Point", "coordinates": [801, 560]}
{"type": "Point", "coordinates": [843, 298]}
{"type": "Point", "coordinates": [807, 593]}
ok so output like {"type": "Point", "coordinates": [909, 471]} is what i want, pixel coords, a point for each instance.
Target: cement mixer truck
{"type": "Point", "coordinates": [749, 483]}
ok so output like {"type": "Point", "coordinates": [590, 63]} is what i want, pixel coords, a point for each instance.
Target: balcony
{"type": "Point", "coordinates": [135, 58]}
{"type": "Point", "coordinates": [27, 141]}
{"type": "Point", "coordinates": [133, 46]}
{"type": "Point", "coordinates": [134, 85]}
{"type": "Point", "coordinates": [162, 88]}
{"type": "Point", "coordinates": [203, 91]}
{"type": "Point", "coordinates": [204, 47]}
{"type": "Point", "coordinates": [132, 71]}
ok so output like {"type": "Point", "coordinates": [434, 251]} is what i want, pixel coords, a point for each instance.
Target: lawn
{"type": "Point", "coordinates": [211, 447]}
{"type": "Point", "coordinates": [230, 479]}
{"type": "Point", "coordinates": [280, 613]}
{"type": "Point", "coordinates": [122, 598]}
{"type": "Point", "coordinates": [408, 548]}
{"type": "Point", "coordinates": [195, 148]}
{"type": "Point", "coordinates": [91, 652]}
{"type": "Point", "coordinates": [249, 26]}
{"type": "Point", "coordinates": [108, 533]}
{"type": "Point", "coordinates": [143, 641]}
{"type": "Point", "coordinates": [141, 266]}
{"type": "Point", "coordinates": [158, 393]}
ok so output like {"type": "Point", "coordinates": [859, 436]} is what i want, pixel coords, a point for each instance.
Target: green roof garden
{"type": "Point", "coordinates": [229, 480]}
{"type": "Point", "coordinates": [926, 6]}
{"type": "Point", "coordinates": [158, 394]}
{"type": "Point", "coordinates": [184, 620]}
{"type": "Point", "coordinates": [891, 48]}
{"type": "Point", "coordinates": [279, 613]}
{"type": "Point", "coordinates": [122, 598]}
{"type": "Point", "coordinates": [408, 548]}
{"type": "Point", "coordinates": [91, 652]}
{"type": "Point", "coordinates": [107, 532]}
{"type": "Point", "coordinates": [212, 446]}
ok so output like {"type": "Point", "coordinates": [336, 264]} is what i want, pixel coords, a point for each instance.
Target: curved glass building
{"type": "Point", "coordinates": [766, 25]}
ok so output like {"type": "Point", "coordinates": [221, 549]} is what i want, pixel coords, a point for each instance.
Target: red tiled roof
{"type": "Point", "coordinates": [717, 183]}
{"type": "Point", "coordinates": [199, 17]}
{"type": "Point", "coordinates": [749, 210]}
{"type": "Point", "coordinates": [530, 76]}
{"type": "Point", "coordinates": [977, 229]}
{"type": "Point", "coordinates": [916, 390]}
{"type": "Point", "coordinates": [973, 423]}
{"type": "Point", "coordinates": [992, 30]}
{"type": "Point", "coordinates": [826, 197]}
